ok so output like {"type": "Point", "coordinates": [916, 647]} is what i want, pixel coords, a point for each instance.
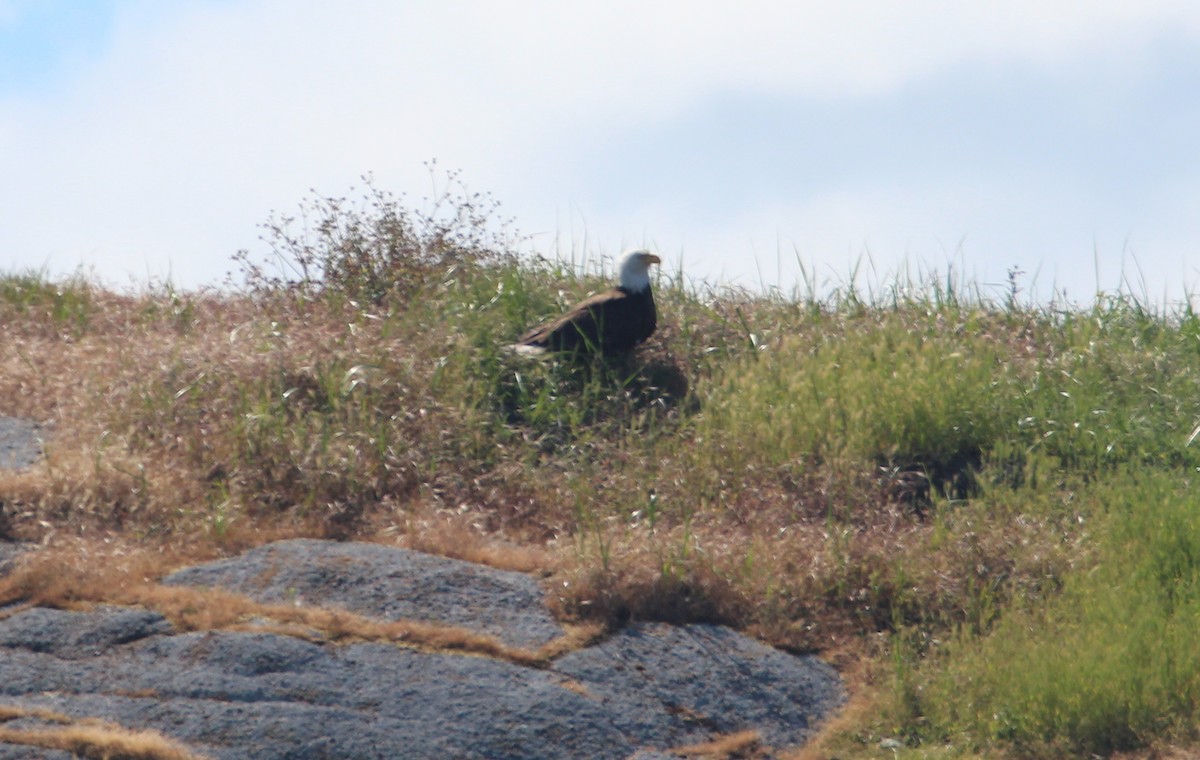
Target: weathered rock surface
{"type": "Point", "coordinates": [239, 695]}
{"type": "Point", "coordinates": [236, 694]}
{"type": "Point", "coordinates": [384, 583]}
{"type": "Point", "coordinates": [20, 442]}
{"type": "Point", "coordinates": [670, 685]}
{"type": "Point", "coordinates": [8, 554]}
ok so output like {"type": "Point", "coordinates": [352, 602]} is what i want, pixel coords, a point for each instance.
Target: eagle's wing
{"type": "Point", "coordinates": [580, 327]}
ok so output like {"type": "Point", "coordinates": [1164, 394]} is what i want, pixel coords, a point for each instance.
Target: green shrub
{"type": "Point", "coordinates": [1111, 664]}
{"type": "Point", "coordinates": [880, 390]}
{"type": "Point", "coordinates": [31, 298]}
{"type": "Point", "coordinates": [375, 249]}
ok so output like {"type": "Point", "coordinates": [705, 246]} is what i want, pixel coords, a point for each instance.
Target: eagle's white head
{"type": "Point", "coordinates": [633, 269]}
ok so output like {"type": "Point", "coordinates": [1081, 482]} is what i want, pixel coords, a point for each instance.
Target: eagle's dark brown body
{"type": "Point", "coordinates": [610, 322]}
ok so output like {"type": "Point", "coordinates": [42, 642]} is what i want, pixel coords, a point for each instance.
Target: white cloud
{"type": "Point", "coordinates": [200, 117]}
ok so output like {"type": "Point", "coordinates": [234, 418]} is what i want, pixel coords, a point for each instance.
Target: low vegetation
{"type": "Point", "coordinates": [979, 508]}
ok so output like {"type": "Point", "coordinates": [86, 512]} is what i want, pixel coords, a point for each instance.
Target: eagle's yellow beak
{"type": "Point", "coordinates": [652, 259]}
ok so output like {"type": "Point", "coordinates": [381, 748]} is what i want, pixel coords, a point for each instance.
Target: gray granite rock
{"type": "Point", "coordinates": [20, 442]}
{"type": "Point", "coordinates": [240, 695]}
{"type": "Point", "coordinates": [388, 583]}
{"type": "Point", "coordinates": [671, 685]}
{"type": "Point", "coordinates": [9, 551]}
{"type": "Point", "coordinates": [251, 695]}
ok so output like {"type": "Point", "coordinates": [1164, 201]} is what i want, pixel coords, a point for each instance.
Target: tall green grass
{"type": "Point", "coordinates": [66, 305]}
{"type": "Point", "coordinates": [950, 389]}
{"type": "Point", "coordinates": [1083, 418]}
{"type": "Point", "coordinates": [878, 389]}
{"type": "Point", "coordinates": [1112, 663]}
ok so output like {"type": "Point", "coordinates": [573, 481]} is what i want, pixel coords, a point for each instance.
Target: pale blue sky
{"type": "Point", "coordinates": [148, 139]}
{"type": "Point", "coordinates": [40, 42]}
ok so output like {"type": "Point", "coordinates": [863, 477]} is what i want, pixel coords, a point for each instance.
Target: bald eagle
{"type": "Point", "coordinates": [610, 322]}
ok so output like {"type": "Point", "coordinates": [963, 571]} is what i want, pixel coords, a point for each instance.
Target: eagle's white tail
{"type": "Point", "coordinates": [524, 349]}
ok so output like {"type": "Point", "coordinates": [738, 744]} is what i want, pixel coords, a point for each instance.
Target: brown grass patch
{"type": "Point", "coordinates": [45, 580]}
{"type": "Point", "coordinates": [12, 712]}
{"type": "Point", "coordinates": [453, 536]}
{"type": "Point", "coordinates": [91, 738]}
{"type": "Point", "coordinates": [576, 687]}
{"type": "Point", "coordinates": [743, 744]}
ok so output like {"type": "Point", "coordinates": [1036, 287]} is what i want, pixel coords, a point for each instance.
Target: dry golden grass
{"type": "Point", "coordinates": [743, 744]}
{"type": "Point", "coordinates": [577, 688]}
{"type": "Point", "coordinates": [12, 712]}
{"type": "Point", "coordinates": [49, 579]}
{"type": "Point", "coordinates": [90, 738]}
{"type": "Point", "coordinates": [91, 390]}
{"type": "Point", "coordinates": [449, 536]}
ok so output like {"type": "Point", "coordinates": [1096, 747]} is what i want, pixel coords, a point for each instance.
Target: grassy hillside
{"type": "Point", "coordinates": [981, 511]}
